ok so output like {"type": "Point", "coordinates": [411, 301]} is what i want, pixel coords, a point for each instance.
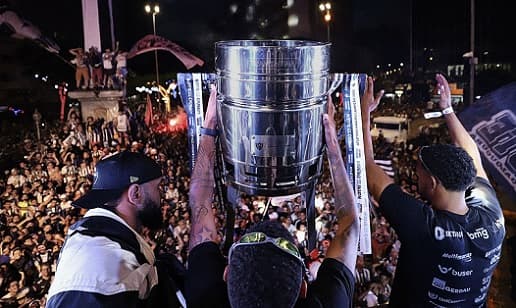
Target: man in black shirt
{"type": "Point", "coordinates": [449, 248]}
{"type": "Point", "coordinates": [42, 285]}
{"type": "Point", "coordinates": [265, 268]}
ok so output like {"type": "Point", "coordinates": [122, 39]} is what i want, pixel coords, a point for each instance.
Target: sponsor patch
{"type": "Point", "coordinates": [440, 234]}
{"type": "Point", "coordinates": [478, 233]}
{"type": "Point", "coordinates": [434, 296]}
{"type": "Point", "coordinates": [441, 285]}
{"type": "Point", "coordinates": [455, 256]}
{"type": "Point", "coordinates": [453, 272]}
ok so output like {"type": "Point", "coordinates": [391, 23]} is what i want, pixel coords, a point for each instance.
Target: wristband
{"type": "Point", "coordinates": [209, 132]}
{"type": "Point", "coordinates": [447, 110]}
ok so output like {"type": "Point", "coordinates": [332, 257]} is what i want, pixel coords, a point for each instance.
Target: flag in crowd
{"type": "Point", "coordinates": [491, 121]}
{"type": "Point", "coordinates": [148, 111]}
{"type": "Point", "coordinates": [386, 165]}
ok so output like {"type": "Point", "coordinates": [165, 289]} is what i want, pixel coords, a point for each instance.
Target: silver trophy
{"type": "Point", "coordinates": [272, 95]}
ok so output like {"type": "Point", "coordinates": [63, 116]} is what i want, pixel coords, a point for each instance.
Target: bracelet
{"type": "Point", "coordinates": [209, 132]}
{"type": "Point", "coordinates": [447, 110]}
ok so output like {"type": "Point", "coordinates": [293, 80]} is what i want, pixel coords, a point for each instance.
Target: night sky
{"type": "Point", "coordinates": [365, 33]}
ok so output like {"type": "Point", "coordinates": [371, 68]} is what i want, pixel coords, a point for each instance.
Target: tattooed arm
{"type": "Point", "coordinates": [345, 244]}
{"type": "Point", "coordinates": [203, 181]}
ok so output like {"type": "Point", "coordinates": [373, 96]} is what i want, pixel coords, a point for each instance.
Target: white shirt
{"type": "Point", "coordinates": [122, 123]}
{"type": "Point", "coordinates": [99, 265]}
{"type": "Point", "coordinates": [107, 57]}
{"type": "Point", "coordinates": [121, 60]}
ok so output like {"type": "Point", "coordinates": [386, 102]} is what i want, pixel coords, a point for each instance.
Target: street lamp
{"type": "Point", "coordinates": [325, 9]}
{"type": "Point", "coordinates": [399, 93]}
{"type": "Point", "coordinates": [154, 10]}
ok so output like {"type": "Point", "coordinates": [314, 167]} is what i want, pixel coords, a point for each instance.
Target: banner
{"type": "Point", "coordinates": [352, 88]}
{"type": "Point", "coordinates": [491, 121]}
{"type": "Point", "coordinates": [153, 42]}
{"type": "Point", "coordinates": [194, 89]}
{"type": "Point", "coordinates": [24, 29]}
{"type": "Point", "coordinates": [148, 112]}
{"type": "Point", "coordinates": [61, 90]}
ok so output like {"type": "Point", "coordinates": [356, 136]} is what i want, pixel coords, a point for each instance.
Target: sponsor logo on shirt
{"type": "Point", "coordinates": [499, 223]}
{"type": "Point", "coordinates": [490, 252]}
{"type": "Point", "coordinates": [453, 272]}
{"type": "Point", "coordinates": [489, 268]}
{"type": "Point", "coordinates": [486, 280]}
{"type": "Point", "coordinates": [436, 304]}
{"type": "Point", "coordinates": [484, 288]}
{"type": "Point", "coordinates": [432, 295]}
{"type": "Point", "coordinates": [455, 256]}
{"type": "Point", "coordinates": [441, 284]}
{"type": "Point", "coordinates": [495, 258]}
{"type": "Point", "coordinates": [479, 233]}
{"type": "Point", "coordinates": [440, 233]}
{"type": "Point", "coordinates": [438, 283]}
{"type": "Point", "coordinates": [480, 298]}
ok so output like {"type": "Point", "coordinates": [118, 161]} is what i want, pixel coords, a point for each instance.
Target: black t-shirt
{"type": "Point", "coordinates": [205, 287]}
{"type": "Point", "coordinates": [445, 259]}
{"type": "Point", "coordinates": [333, 287]}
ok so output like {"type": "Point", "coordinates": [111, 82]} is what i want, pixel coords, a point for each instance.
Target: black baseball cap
{"type": "Point", "coordinates": [114, 174]}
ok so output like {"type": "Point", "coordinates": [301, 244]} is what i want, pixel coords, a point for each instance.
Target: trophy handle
{"type": "Point", "coordinates": [336, 80]}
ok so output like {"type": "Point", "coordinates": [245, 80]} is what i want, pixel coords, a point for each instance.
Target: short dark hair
{"type": "Point", "coordinates": [450, 164]}
{"type": "Point", "coordinates": [263, 275]}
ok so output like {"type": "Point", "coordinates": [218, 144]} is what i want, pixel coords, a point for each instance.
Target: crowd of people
{"type": "Point", "coordinates": [100, 70]}
{"type": "Point", "coordinates": [37, 192]}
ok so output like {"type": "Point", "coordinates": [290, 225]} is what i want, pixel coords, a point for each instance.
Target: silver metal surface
{"type": "Point", "coordinates": [272, 95]}
{"type": "Point", "coordinates": [272, 70]}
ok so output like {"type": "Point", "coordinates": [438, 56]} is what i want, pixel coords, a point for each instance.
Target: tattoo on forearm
{"type": "Point", "coordinates": [345, 203]}
{"type": "Point", "coordinates": [204, 164]}
{"type": "Point", "coordinates": [201, 195]}
{"type": "Point", "coordinates": [198, 213]}
{"type": "Point", "coordinates": [202, 212]}
{"type": "Point", "coordinates": [204, 234]}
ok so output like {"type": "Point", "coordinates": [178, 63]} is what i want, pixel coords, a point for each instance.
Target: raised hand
{"type": "Point", "coordinates": [444, 91]}
{"type": "Point", "coordinates": [210, 120]}
{"type": "Point", "coordinates": [369, 101]}
{"type": "Point", "coordinates": [344, 245]}
{"type": "Point", "coordinates": [329, 126]}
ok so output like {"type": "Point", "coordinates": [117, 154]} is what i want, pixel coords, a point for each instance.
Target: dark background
{"type": "Point", "coordinates": [366, 33]}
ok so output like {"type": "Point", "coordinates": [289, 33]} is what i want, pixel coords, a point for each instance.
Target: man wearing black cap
{"type": "Point", "coordinates": [265, 268]}
{"type": "Point", "coordinates": [449, 249]}
{"type": "Point", "coordinates": [104, 261]}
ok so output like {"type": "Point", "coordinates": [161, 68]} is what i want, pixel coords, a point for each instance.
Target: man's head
{"type": "Point", "coordinates": [360, 262]}
{"type": "Point", "coordinates": [131, 177]}
{"type": "Point", "coordinates": [149, 213]}
{"type": "Point", "coordinates": [13, 287]}
{"type": "Point", "coordinates": [264, 275]}
{"type": "Point", "coordinates": [444, 164]}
